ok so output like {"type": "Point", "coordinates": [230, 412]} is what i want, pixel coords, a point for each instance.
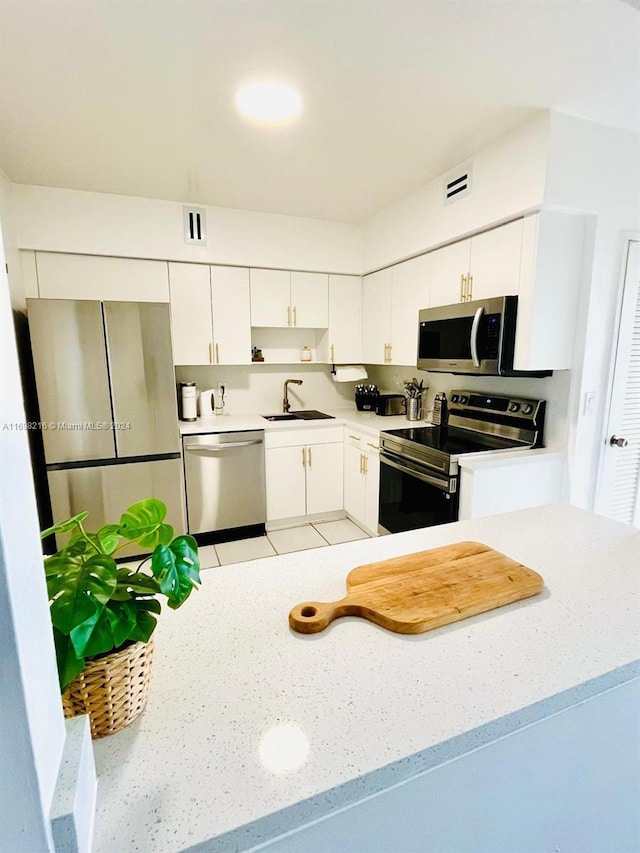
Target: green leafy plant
{"type": "Point", "coordinates": [98, 606]}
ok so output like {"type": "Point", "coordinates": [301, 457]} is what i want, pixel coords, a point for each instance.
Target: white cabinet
{"type": "Point", "coordinates": [345, 319]}
{"type": "Point", "coordinates": [231, 315]}
{"type": "Point", "coordinates": [361, 479]}
{"type": "Point", "coordinates": [449, 268]}
{"type": "Point", "coordinates": [62, 276]}
{"type": "Point", "coordinates": [304, 472]}
{"type": "Point", "coordinates": [483, 266]}
{"type": "Point", "coordinates": [376, 316]}
{"type": "Point", "coordinates": [391, 300]}
{"type": "Point", "coordinates": [210, 314]}
{"type": "Point", "coordinates": [283, 299]}
{"type": "Point", "coordinates": [410, 293]}
{"type": "Point", "coordinates": [550, 278]}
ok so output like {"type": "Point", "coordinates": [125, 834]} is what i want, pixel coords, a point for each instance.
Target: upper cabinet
{"type": "Point", "coordinates": [391, 300]}
{"type": "Point", "coordinates": [345, 319]}
{"type": "Point", "coordinates": [62, 276]}
{"type": "Point", "coordinates": [283, 299]}
{"type": "Point", "coordinates": [210, 314]}
{"type": "Point", "coordinates": [483, 266]}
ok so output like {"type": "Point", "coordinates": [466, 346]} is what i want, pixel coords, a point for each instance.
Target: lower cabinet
{"type": "Point", "coordinates": [304, 472]}
{"type": "Point", "coordinates": [361, 479]}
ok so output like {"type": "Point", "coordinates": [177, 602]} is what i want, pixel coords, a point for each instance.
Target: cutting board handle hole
{"type": "Point", "coordinates": [308, 611]}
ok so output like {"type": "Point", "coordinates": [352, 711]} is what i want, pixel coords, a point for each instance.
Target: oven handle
{"type": "Point", "coordinates": [448, 485]}
{"type": "Point", "coordinates": [474, 335]}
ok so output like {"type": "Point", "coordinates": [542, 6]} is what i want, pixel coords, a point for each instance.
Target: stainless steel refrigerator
{"type": "Point", "coordinates": [108, 411]}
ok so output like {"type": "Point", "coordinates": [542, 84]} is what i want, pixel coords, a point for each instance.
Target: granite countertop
{"type": "Point", "coordinates": [252, 729]}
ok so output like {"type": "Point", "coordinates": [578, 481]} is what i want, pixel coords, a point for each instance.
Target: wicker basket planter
{"type": "Point", "coordinates": [112, 690]}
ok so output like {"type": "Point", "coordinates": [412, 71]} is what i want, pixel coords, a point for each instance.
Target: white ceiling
{"type": "Point", "coordinates": [137, 97]}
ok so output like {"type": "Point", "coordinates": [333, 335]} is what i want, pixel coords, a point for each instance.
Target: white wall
{"type": "Point", "coordinates": [508, 179]}
{"type": "Point", "coordinates": [9, 239]}
{"type": "Point", "coordinates": [60, 220]}
{"type": "Point", "coordinates": [594, 169]}
{"type": "Point", "coordinates": [32, 728]}
{"type": "Point", "coordinates": [568, 782]}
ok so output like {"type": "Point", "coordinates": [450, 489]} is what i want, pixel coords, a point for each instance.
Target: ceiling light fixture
{"type": "Point", "coordinates": [269, 102]}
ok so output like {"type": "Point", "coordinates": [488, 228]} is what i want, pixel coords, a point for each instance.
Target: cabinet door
{"type": "Point", "coordinates": [372, 487]}
{"type": "Point", "coordinates": [376, 316]}
{"type": "Point", "coordinates": [495, 261]}
{"type": "Point", "coordinates": [270, 298]}
{"type": "Point", "coordinates": [345, 319]}
{"type": "Point", "coordinates": [410, 293]}
{"type": "Point", "coordinates": [285, 479]}
{"type": "Point", "coordinates": [354, 481]}
{"type": "Point", "coordinates": [448, 265]}
{"type": "Point", "coordinates": [62, 276]}
{"type": "Point", "coordinates": [324, 477]}
{"type": "Point", "coordinates": [231, 315]}
{"type": "Point", "coordinates": [191, 329]}
{"type": "Point", "coordinates": [310, 300]}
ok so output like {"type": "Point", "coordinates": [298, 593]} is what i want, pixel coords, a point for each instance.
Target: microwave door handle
{"type": "Point", "coordinates": [474, 335]}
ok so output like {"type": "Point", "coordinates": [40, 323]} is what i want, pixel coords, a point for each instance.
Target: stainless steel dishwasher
{"type": "Point", "coordinates": [225, 482]}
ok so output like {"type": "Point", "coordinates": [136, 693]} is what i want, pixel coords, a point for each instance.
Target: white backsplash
{"type": "Point", "coordinates": [259, 388]}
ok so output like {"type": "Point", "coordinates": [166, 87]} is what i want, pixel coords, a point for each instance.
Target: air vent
{"type": "Point", "coordinates": [457, 184]}
{"type": "Point", "coordinates": [195, 225]}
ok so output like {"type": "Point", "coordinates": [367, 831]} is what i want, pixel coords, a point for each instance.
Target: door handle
{"type": "Point", "coordinates": [217, 355]}
{"type": "Point", "coordinates": [210, 353]}
{"type": "Point", "coordinates": [618, 441]}
{"type": "Point", "coordinates": [474, 335]}
{"type": "Point", "coordinates": [469, 287]}
{"type": "Point", "coordinates": [295, 316]}
{"type": "Point", "coordinates": [463, 289]}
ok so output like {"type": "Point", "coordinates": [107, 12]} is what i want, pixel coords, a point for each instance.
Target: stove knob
{"type": "Point", "coordinates": [464, 398]}
{"type": "Point", "coordinates": [454, 398]}
{"type": "Point", "coordinates": [527, 409]}
{"type": "Point", "coordinates": [514, 407]}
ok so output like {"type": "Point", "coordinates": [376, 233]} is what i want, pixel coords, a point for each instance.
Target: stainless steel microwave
{"type": "Point", "coordinates": [471, 338]}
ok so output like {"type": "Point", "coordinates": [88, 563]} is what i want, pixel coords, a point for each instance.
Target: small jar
{"type": "Point", "coordinates": [305, 354]}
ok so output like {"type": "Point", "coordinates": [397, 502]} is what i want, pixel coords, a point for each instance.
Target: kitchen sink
{"type": "Point", "coordinates": [302, 415]}
{"type": "Point", "coordinates": [280, 417]}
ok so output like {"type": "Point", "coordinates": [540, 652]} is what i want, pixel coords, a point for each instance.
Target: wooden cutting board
{"type": "Point", "coordinates": [422, 591]}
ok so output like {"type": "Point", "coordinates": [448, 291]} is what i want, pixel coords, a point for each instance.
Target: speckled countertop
{"type": "Point", "coordinates": [252, 729]}
{"type": "Point", "coordinates": [368, 421]}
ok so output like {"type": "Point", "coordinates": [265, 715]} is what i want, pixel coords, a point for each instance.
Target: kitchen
{"type": "Point", "coordinates": [535, 160]}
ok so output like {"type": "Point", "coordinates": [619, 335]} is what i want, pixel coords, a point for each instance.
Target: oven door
{"type": "Point", "coordinates": [412, 496]}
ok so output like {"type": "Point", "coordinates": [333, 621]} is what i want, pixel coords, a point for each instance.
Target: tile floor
{"type": "Point", "coordinates": [280, 542]}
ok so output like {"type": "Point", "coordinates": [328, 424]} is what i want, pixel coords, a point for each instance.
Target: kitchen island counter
{"type": "Point", "coordinates": [252, 729]}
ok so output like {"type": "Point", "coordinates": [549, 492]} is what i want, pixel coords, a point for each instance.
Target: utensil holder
{"type": "Point", "coordinates": [414, 408]}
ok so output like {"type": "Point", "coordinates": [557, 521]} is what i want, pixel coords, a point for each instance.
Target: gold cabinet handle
{"type": "Point", "coordinates": [210, 353]}
{"type": "Point", "coordinates": [463, 287]}
{"type": "Point", "coordinates": [288, 315]}
{"type": "Point", "coordinates": [295, 316]}
{"type": "Point", "coordinates": [469, 288]}
{"type": "Point", "coordinates": [304, 458]}
{"type": "Point", "coordinates": [375, 446]}
{"type": "Point", "coordinates": [217, 355]}
{"type": "Point", "coordinates": [366, 464]}
{"type": "Point", "coordinates": [361, 458]}
{"type": "Point", "coordinates": [309, 457]}
{"type": "Point", "coordinates": [354, 437]}
{"type": "Point", "coordinates": [332, 356]}
{"type": "Point", "coordinates": [390, 351]}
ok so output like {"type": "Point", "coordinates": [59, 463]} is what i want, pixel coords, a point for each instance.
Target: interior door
{"type": "Point", "coordinates": [618, 487]}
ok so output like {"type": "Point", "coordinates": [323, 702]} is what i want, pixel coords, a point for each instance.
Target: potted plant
{"type": "Point", "coordinates": [104, 614]}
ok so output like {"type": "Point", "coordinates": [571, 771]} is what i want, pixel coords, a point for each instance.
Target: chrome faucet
{"type": "Point", "coordinates": [285, 400]}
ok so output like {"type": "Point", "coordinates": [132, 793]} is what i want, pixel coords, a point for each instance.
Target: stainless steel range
{"type": "Point", "coordinates": [419, 479]}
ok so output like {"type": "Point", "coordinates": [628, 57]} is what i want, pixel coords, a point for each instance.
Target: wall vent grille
{"type": "Point", "coordinates": [457, 184]}
{"type": "Point", "coordinates": [195, 225]}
